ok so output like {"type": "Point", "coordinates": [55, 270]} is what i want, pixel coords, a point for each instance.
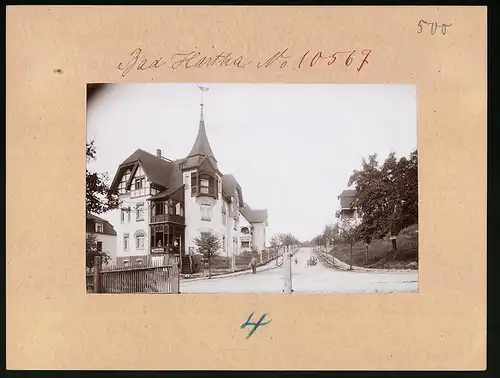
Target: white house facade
{"type": "Point", "coordinates": [167, 203]}
{"type": "Point", "coordinates": [106, 236]}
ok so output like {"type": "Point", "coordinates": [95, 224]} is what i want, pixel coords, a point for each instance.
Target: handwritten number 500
{"type": "Point", "coordinates": [433, 26]}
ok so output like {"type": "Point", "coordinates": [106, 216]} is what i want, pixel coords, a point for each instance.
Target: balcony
{"type": "Point", "coordinates": [162, 218]}
{"type": "Point", "coordinates": [197, 191]}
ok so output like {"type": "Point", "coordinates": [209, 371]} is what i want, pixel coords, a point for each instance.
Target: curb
{"type": "Point", "coordinates": [240, 273]}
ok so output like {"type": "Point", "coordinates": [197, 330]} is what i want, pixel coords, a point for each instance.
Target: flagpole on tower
{"type": "Point", "coordinates": [202, 89]}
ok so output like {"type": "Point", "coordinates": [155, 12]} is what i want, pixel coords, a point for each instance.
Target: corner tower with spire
{"type": "Point", "coordinates": [201, 147]}
{"type": "Point", "coordinates": [204, 178]}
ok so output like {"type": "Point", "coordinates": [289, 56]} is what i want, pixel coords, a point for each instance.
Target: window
{"type": "Point", "coordinates": [139, 183]}
{"type": "Point", "coordinates": [194, 187]}
{"type": "Point", "coordinates": [206, 211]}
{"type": "Point", "coordinates": [140, 186]}
{"type": "Point", "coordinates": [159, 208]}
{"type": "Point", "coordinates": [178, 209]}
{"type": "Point", "coordinates": [139, 241]}
{"type": "Point", "coordinates": [125, 242]}
{"type": "Point", "coordinates": [129, 214]}
{"type": "Point", "coordinates": [139, 212]}
{"type": "Point", "coordinates": [99, 246]}
{"type": "Point", "coordinates": [139, 262]}
{"type": "Point", "coordinates": [224, 215]}
{"type": "Point", "coordinates": [186, 181]}
{"type": "Point", "coordinates": [99, 227]}
{"type": "Point", "coordinates": [122, 215]}
{"type": "Point", "coordinates": [235, 224]}
{"type": "Point", "coordinates": [245, 244]}
{"type": "Point", "coordinates": [224, 243]}
{"type": "Point", "coordinates": [204, 186]}
{"type": "Point", "coordinates": [204, 183]}
{"type": "Point", "coordinates": [125, 263]}
{"type": "Point", "coordinates": [245, 230]}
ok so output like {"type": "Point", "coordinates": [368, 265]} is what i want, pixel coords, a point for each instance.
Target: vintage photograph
{"type": "Point", "coordinates": [199, 188]}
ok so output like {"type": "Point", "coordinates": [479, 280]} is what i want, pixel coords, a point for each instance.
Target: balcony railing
{"type": "Point", "coordinates": [203, 191]}
{"type": "Point", "coordinates": [160, 218]}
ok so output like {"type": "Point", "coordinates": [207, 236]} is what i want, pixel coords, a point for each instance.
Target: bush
{"type": "Point", "coordinates": [410, 230]}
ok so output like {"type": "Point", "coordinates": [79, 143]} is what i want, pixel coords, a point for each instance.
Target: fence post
{"type": "Point", "coordinates": [175, 279]}
{"type": "Point", "coordinates": [97, 274]}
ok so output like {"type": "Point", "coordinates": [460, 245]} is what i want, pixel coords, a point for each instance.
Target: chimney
{"type": "Point", "coordinates": [158, 152]}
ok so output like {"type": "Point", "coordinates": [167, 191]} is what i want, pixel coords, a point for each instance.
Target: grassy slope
{"type": "Point", "coordinates": [380, 252]}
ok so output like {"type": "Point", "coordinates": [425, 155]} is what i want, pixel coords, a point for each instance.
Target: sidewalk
{"type": "Point", "coordinates": [270, 265]}
{"type": "Point", "coordinates": [340, 265]}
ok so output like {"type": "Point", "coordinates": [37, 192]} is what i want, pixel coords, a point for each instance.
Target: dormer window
{"type": "Point", "coordinates": [99, 227]}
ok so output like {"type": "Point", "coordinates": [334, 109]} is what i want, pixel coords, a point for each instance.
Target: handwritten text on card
{"type": "Point", "coordinates": [283, 59]}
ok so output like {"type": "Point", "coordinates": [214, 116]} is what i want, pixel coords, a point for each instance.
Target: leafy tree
{"type": "Point", "coordinates": [348, 233]}
{"type": "Point", "coordinates": [387, 195]}
{"type": "Point", "coordinates": [99, 198]}
{"type": "Point", "coordinates": [275, 243]}
{"type": "Point", "coordinates": [320, 240]}
{"type": "Point", "coordinates": [209, 245]}
{"type": "Point", "coordinates": [365, 232]}
{"type": "Point", "coordinates": [331, 234]}
{"type": "Point", "coordinates": [92, 252]}
{"type": "Point", "coordinates": [288, 240]}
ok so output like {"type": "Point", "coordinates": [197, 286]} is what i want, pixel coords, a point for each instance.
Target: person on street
{"type": "Point", "coordinates": [253, 264]}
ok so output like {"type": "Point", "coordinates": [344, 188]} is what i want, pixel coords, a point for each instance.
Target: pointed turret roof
{"type": "Point", "coordinates": [201, 145]}
{"type": "Point", "coordinates": [201, 148]}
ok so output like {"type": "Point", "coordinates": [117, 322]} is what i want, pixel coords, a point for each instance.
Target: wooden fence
{"type": "Point", "coordinates": [155, 277]}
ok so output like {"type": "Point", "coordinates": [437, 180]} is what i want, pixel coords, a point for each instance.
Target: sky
{"type": "Point", "coordinates": [291, 147]}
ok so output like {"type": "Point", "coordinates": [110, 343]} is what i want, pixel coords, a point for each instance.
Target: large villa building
{"type": "Point", "coordinates": [167, 203]}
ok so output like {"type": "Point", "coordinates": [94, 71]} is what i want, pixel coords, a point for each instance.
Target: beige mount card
{"type": "Point", "coordinates": [54, 52]}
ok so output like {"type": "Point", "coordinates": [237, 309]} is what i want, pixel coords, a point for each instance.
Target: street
{"type": "Point", "coordinates": [318, 279]}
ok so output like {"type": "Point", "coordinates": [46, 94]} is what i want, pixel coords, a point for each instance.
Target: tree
{"type": "Point", "coordinates": [209, 245]}
{"type": "Point", "coordinates": [99, 198]}
{"type": "Point", "coordinates": [386, 196]}
{"type": "Point", "coordinates": [330, 234]}
{"type": "Point", "coordinates": [92, 251]}
{"type": "Point", "coordinates": [320, 240]}
{"type": "Point", "coordinates": [348, 233]}
{"type": "Point", "coordinates": [365, 233]}
{"type": "Point", "coordinates": [275, 243]}
{"type": "Point", "coordinates": [287, 240]}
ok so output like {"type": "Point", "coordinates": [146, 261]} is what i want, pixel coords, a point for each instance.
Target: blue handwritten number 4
{"type": "Point", "coordinates": [255, 325]}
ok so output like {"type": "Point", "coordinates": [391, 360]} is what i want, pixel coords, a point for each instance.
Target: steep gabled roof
{"type": "Point", "coordinates": [254, 216]}
{"type": "Point", "coordinates": [93, 219]}
{"type": "Point", "coordinates": [348, 193]}
{"type": "Point", "coordinates": [230, 187]}
{"type": "Point", "coordinates": [162, 172]}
